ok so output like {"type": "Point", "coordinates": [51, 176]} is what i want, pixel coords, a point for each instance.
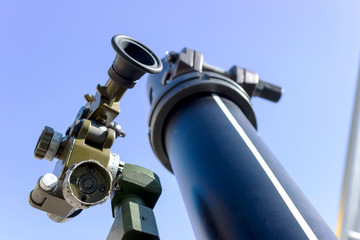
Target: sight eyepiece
{"type": "Point", "coordinates": [132, 61]}
{"type": "Point", "coordinates": [87, 170]}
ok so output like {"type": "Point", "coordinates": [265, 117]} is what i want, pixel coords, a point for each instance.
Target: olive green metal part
{"type": "Point", "coordinates": [133, 221]}
{"type": "Point", "coordinates": [137, 191]}
{"type": "Point", "coordinates": [105, 105]}
{"type": "Point", "coordinates": [87, 171]}
{"type": "Point", "coordinates": [96, 135]}
{"type": "Point", "coordinates": [52, 202]}
{"type": "Point", "coordinates": [78, 151]}
{"type": "Point", "coordinates": [136, 180]}
{"type": "Point", "coordinates": [90, 142]}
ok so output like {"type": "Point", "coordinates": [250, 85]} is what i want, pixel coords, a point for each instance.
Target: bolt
{"type": "Point", "coordinates": [84, 198]}
{"type": "Point", "coordinates": [117, 187]}
{"type": "Point", "coordinates": [91, 170]}
{"type": "Point", "coordinates": [102, 188]}
{"type": "Point", "coordinates": [73, 179]}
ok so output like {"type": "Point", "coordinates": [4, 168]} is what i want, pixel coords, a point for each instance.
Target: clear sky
{"type": "Point", "coordinates": [54, 52]}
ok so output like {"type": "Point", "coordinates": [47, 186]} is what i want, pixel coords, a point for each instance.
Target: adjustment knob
{"type": "Point", "coordinates": [48, 144]}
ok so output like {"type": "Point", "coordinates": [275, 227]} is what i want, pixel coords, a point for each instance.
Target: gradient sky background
{"type": "Point", "coordinates": [54, 52]}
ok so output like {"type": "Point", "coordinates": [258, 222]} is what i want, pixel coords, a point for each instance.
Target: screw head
{"type": "Point", "coordinates": [91, 170]}
{"type": "Point", "coordinates": [102, 188]}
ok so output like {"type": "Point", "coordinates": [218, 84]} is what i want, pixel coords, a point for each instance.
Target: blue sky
{"type": "Point", "coordinates": [54, 52]}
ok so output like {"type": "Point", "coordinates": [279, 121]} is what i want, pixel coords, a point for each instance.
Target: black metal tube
{"type": "Point", "coordinates": [232, 185]}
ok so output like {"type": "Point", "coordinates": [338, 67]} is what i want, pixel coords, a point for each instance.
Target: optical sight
{"type": "Point", "coordinates": [87, 171]}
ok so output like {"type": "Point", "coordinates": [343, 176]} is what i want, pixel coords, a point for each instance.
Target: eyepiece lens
{"type": "Point", "coordinates": [138, 53]}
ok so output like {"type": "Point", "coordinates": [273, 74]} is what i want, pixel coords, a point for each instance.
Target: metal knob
{"type": "Point", "coordinates": [48, 144]}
